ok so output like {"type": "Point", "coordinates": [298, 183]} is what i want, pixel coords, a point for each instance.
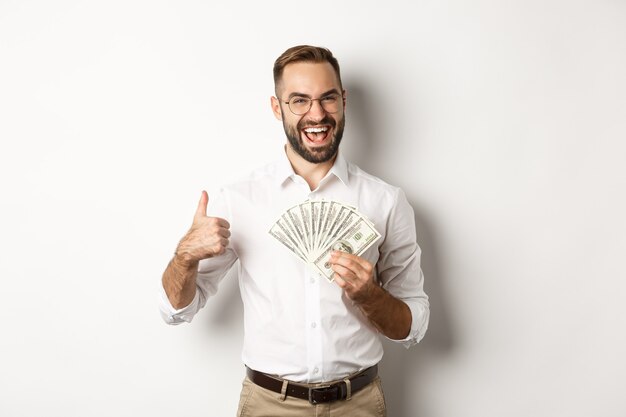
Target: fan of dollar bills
{"type": "Point", "coordinates": [313, 229]}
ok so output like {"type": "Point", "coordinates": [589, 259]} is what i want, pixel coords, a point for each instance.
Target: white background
{"type": "Point", "coordinates": [504, 122]}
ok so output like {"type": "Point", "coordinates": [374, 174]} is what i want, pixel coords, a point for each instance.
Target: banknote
{"type": "Point", "coordinates": [356, 239]}
{"type": "Point", "coordinates": [280, 233]}
{"type": "Point", "coordinates": [311, 230]}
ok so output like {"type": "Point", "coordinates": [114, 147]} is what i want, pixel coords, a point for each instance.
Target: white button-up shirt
{"type": "Point", "coordinates": [298, 325]}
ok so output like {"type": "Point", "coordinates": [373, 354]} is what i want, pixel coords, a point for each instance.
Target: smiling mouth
{"type": "Point", "coordinates": [317, 134]}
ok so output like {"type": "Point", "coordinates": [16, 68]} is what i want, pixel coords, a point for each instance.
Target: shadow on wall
{"type": "Point", "coordinates": [400, 368]}
{"type": "Point", "coordinates": [359, 143]}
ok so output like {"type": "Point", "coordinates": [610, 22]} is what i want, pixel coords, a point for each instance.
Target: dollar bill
{"type": "Point", "coordinates": [292, 231]}
{"type": "Point", "coordinates": [278, 232]}
{"type": "Point", "coordinates": [355, 240]}
{"type": "Point", "coordinates": [330, 214]}
{"type": "Point", "coordinates": [312, 229]}
{"type": "Point", "coordinates": [315, 223]}
{"type": "Point", "coordinates": [293, 214]}
{"type": "Point", "coordinates": [305, 216]}
{"type": "Point", "coordinates": [345, 216]}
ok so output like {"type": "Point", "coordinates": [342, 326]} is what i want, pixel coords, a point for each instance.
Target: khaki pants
{"type": "Point", "coordinates": [260, 402]}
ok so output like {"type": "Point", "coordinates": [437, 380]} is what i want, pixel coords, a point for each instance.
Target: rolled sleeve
{"type": "Point", "coordinates": [210, 274]}
{"type": "Point", "coordinates": [399, 268]}
{"type": "Point", "coordinates": [420, 314]}
{"type": "Point", "coordinates": [177, 316]}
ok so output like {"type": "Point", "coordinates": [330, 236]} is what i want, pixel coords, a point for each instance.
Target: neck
{"type": "Point", "coordinates": [310, 171]}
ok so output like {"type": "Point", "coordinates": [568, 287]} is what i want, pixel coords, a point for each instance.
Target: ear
{"type": "Point", "coordinates": [345, 94]}
{"type": "Point", "coordinates": [278, 114]}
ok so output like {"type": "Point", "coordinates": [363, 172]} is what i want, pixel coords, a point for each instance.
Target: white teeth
{"type": "Point", "coordinates": [316, 129]}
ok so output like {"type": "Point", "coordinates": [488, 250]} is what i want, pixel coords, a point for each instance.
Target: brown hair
{"type": "Point", "coordinates": [304, 53]}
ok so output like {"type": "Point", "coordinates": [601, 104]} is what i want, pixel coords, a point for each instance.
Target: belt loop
{"type": "Point", "coordinates": [348, 388]}
{"type": "Point", "coordinates": [283, 391]}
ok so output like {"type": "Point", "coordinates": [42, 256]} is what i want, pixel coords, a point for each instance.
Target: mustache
{"type": "Point", "coordinates": [325, 121]}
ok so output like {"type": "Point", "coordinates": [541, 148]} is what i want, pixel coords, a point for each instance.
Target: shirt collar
{"type": "Point", "coordinates": [340, 168]}
{"type": "Point", "coordinates": [284, 170]}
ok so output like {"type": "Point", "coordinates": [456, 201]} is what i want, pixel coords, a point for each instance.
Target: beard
{"type": "Point", "coordinates": [319, 154]}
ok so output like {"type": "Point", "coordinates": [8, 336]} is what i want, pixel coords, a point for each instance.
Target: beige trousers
{"type": "Point", "coordinates": [260, 402]}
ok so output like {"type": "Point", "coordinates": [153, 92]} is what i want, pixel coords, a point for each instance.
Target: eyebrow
{"type": "Point", "coordinates": [327, 93]}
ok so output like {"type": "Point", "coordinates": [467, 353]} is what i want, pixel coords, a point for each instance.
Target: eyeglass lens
{"type": "Point", "coordinates": [301, 105]}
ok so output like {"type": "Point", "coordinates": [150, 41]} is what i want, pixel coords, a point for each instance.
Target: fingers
{"type": "Point", "coordinates": [202, 205]}
{"type": "Point", "coordinates": [223, 232]}
{"type": "Point", "coordinates": [353, 274]}
{"type": "Point", "coordinates": [215, 232]}
{"type": "Point", "coordinates": [222, 222]}
{"type": "Point", "coordinates": [216, 225]}
{"type": "Point", "coordinates": [340, 281]}
{"type": "Point", "coordinates": [351, 262]}
{"type": "Point", "coordinates": [220, 248]}
{"type": "Point", "coordinates": [343, 276]}
{"type": "Point", "coordinates": [201, 211]}
{"type": "Point", "coordinates": [208, 236]}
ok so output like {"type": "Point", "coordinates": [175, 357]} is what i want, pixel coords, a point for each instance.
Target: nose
{"type": "Point", "coordinates": [316, 111]}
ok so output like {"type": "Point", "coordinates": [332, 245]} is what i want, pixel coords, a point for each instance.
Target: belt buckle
{"type": "Point", "coordinates": [322, 389]}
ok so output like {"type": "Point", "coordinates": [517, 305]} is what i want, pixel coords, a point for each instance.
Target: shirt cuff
{"type": "Point", "coordinates": [177, 316]}
{"type": "Point", "coordinates": [419, 324]}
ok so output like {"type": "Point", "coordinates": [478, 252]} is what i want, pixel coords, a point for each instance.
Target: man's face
{"type": "Point", "coordinates": [315, 135]}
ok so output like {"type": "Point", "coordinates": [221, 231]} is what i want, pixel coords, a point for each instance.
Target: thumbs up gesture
{"type": "Point", "coordinates": [207, 237]}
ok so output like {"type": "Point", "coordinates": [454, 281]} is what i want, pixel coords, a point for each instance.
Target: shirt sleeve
{"type": "Point", "coordinates": [210, 273]}
{"type": "Point", "coordinates": [399, 270]}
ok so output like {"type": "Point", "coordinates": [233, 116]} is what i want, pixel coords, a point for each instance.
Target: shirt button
{"type": "Point", "coordinates": [315, 370]}
{"type": "Point", "coordinates": [312, 280]}
{"type": "Point", "coordinates": [313, 325]}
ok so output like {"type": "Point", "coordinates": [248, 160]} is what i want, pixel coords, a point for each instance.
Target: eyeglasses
{"type": "Point", "coordinates": [301, 105]}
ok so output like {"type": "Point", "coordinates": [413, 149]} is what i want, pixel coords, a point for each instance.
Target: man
{"type": "Point", "coordinates": [311, 346]}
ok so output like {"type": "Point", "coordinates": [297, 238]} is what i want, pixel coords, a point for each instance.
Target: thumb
{"type": "Point", "coordinates": [202, 205]}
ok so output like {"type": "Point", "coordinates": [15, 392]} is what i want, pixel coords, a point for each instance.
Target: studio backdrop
{"type": "Point", "coordinates": [503, 121]}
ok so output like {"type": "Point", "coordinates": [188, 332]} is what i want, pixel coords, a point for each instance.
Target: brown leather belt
{"type": "Point", "coordinates": [316, 393]}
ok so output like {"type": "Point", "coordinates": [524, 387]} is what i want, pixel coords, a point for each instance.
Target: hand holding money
{"type": "Point", "coordinates": [312, 230]}
{"type": "Point", "coordinates": [331, 238]}
{"type": "Point", "coordinates": [354, 274]}
{"type": "Point", "coordinates": [207, 237]}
